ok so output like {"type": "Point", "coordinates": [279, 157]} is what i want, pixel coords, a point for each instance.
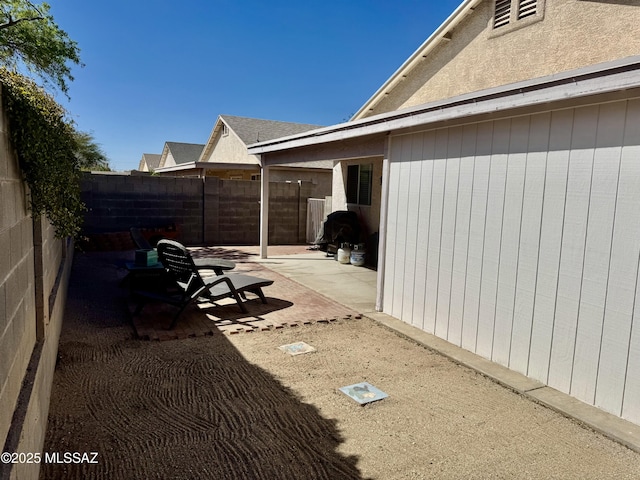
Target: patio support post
{"type": "Point", "coordinates": [264, 209]}
{"type": "Point", "coordinates": [382, 238]}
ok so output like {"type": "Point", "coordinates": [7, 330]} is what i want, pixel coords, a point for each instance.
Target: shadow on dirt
{"type": "Point", "coordinates": [192, 408]}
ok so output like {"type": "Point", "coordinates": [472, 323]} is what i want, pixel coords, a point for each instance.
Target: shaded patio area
{"type": "Point", "coordinates": [234, 406]}
{"type": "Point", "coordinates": [289, 303]}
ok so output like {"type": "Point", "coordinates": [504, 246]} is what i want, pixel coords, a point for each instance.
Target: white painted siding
{"type": "Point", "coordinates": [519, 239]}
{"type": "Point", "coordinates": [548, 267]}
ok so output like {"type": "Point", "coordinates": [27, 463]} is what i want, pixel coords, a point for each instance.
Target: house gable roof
{"type": "Point", "coordinates": [151, 160]}
{"type": "Point", "coordinates": [442, 33]}
{"type": "Point", "coordinates": [253, 130]}
{"type": "Point", "coordinates": [481, 46]}
{"type": "Point", "coordinates": [180, 152]}
{"type": "Point", "coordinates": [185, 152]}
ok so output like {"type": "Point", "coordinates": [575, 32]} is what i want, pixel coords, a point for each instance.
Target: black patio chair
{"type": "Point", "coordinates": [218, 265]}
{"type": "Point", "coordinates": [189, 286]}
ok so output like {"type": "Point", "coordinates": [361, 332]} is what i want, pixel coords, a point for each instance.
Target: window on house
{"type": "Point", "coordinates": [359, 183]}
{"type": "Point", "coordinates": [509, 12]}
{"type": "Point", "coordinates": [225, 130]}
{"type": "Point", "coordinates": [255, 177]}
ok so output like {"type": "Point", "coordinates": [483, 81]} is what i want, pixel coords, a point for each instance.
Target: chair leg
{"type": "Point", "coordinates": [184, 304]}
{"type": "Point", "coordinates": [258, 291]}
{"type": "Point", "coordinates": [177, 316]}
{"type": "Point", "coordinates": [239, 301]}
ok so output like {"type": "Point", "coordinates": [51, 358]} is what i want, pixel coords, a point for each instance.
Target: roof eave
{"type": "Point", "coordinates": [587, 81]}
{"type": "Point", "coordinates": [208, 166]}
{"type": "Point", "coordinates": [440, 33]}
{"type": "Point", "coordinates": [208, 147]}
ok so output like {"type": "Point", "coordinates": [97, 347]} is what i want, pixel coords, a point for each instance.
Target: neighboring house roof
{"type": "Point", "coordinates": [185, 152]}
{"type": "Point", "coordinates": [253, 130]}
{"type": "Point", "coordinates": [149, 162]}
{"type": "Point", "coordinates": [180, 153]}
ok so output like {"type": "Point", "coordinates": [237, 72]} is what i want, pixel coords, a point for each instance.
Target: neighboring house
{"type": "Point", "coordinates": [501, 165]}
{"type": "Point", "coordinates": [178, 157]}
{"type": "Point", "coordinates": [225, 154]}
{"type": "Point", "coordinates": [227, 148]}
{"type": "Point", "coordinates": [149, 162]}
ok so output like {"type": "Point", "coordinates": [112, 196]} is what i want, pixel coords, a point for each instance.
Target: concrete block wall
{"type": "Point", "coordinates": [212, 190]}
{"type": "Point", "coordinates": [52, 280]}
{"type": "Point", "coordinates": [117, 202]}
{"type": "Point", "coordinates": [34, 270]}
{"type": "Point", "coordinates": [238, 212]}
{"type": "Point", "coordinates": [209, 211]}
{"type": "Point", "coordinates": [288, 212]}
{"type": "Point", "coordinates": [17, 292]}
{"type": "Point", "coordinates": [49, 254]}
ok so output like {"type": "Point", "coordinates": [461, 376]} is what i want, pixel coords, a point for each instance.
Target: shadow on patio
{"type": "Point", "coordinates": [192, 408]}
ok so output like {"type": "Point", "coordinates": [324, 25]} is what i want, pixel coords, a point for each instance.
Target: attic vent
{"type": "Point", "coordinates": [503, 13]}
{"type": "Point", "coordinates": [508, 13]}
{"type": "Point", "coordinates": [527, 8]}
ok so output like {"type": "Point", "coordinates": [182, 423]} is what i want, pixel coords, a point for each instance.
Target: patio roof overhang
{"type": "Point", "coordinates": [208, 166]}
{"type": "Point", "coordinates": [611, 81]}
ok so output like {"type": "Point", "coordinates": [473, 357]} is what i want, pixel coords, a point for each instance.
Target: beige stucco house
{"type": "Point", "coordinates": [149, 162]}
{"type": "Point", "coordinates": [225, 154]}
{"type": "Point", "coordinates": [502, 171]}
{"type": "Point", "coordinates": [227, 145]}
{"type": "Point", "coordinates": [177, 158]}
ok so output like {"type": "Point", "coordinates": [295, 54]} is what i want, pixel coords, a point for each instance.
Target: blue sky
{"type": "Point", "coordinates": [158, 71]}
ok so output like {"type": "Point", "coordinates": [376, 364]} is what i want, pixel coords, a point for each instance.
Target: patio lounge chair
{"type": "Point", "coordinates": [218, 265]}
{"type": "Point", "coordinates": [190, 286]}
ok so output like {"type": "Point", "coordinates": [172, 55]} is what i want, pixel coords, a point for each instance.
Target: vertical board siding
{"type": "Point", "coordinates": [553, 213]}
{"type": "Point", "coordinates": [462, 235]}
{"type": "Point", "coordinates": [492, 238]}
{"type": "Point", "coordinates": [414, 229]}
{"type": "Point", "coordinates": [623, 282]}
{"type": "Point", "coordinates": [597, 255]}
{"type": "Point", "coordinates": [519, 240]}
{"type": "Point", "coordinates": [573, 243]}
{"type": "Point", "coordinates": [435, 229]}
{"type": "Point", "coordinates": [413, 209]}
{"type": "Point", "coordinates": [529, 240]}
{"type": "Point", "coordinates": [426, 182]}
{"type": "Point", "coordinates": [403, 246]}
{"type": "Point", "coordinates": [631, 160]}
{"type": "Point", "coordinates": [477, 228]}
{"type": "Point", "coordinates": [447, 243]}
{"type": "Point", "coordinates": [510, 240]}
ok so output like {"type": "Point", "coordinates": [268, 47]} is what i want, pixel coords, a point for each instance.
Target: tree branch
{"type": "Point", "coordinates": [13, 22]}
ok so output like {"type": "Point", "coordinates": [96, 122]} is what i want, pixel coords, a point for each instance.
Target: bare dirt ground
{"type": "Point", "coordinates": [236, 407]}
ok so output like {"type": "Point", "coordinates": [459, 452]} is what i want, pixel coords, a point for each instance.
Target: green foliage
{"type": "Point", "coordinates": [46, 145]}
{"type": "Point", "coordinates": [89, 155]}
{"type": "Point", "coordinates": [29, 37]}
